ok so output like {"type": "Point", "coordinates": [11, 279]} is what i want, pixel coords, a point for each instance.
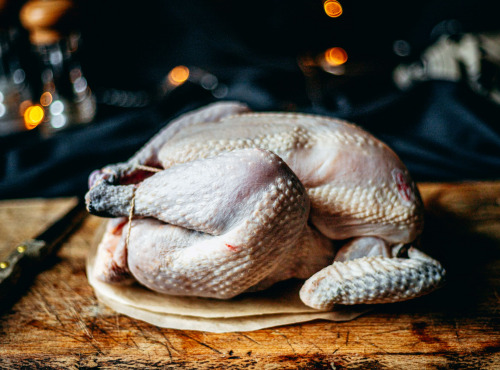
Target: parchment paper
{"type": "Point", "coordinates": [279, 305]}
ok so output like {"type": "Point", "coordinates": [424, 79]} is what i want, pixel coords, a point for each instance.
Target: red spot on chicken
{"type": "Point", "coordinates": [118, 226]}
{"type": "Point", "coordinates": [135, 177]}
{"type": "Point", "coordinates": [404, 187]}
{"type": "Point", "coordinates": [232, 247]}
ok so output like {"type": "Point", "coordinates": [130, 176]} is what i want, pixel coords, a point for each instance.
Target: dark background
{"type": "Point", "coordinates": [442, 130]}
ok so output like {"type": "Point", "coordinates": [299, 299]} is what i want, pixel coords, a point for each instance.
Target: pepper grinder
{"type": "Point", "coordinates": [15, 92]}
{"type": "Point", "coordinates": [64, 94]}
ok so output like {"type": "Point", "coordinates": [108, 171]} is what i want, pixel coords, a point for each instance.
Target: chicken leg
{"type": "Point", "coordinates": [219, 243]}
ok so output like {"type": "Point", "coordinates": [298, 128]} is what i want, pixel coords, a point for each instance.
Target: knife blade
{"type": "Point", "coordinates": [27, 257]}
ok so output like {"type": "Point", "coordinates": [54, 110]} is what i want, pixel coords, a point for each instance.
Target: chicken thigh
{"type": "Point", "coordinates": [225, 201]}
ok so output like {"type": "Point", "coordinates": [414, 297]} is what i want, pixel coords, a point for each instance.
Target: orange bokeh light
{"type": "Point", "coordinates": [333, 9]}
{"type": "Point", "coordinates": [178, 75]}
{"type": "Point", "coordinates": [335, 56]}
{"type": "Point", "coordinates": [33, 116]}
{"type": "Point", "coordinates": [46, 99]}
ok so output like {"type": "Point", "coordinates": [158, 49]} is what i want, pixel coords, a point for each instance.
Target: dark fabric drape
{"type": "Point", "coordinates": [442, 130]}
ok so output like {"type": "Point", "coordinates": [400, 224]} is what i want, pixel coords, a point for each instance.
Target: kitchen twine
{"type": "Point", "coordinates": [147, 168]}
{"type": "Point", "coordinates": [132, 202]}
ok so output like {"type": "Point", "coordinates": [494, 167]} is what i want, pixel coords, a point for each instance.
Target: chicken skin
{"type": "Point", "coordinates": [225, 201]}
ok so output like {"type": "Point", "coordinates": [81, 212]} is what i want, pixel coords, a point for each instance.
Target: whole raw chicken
{"type": "Point", "coordinates": [225, 201]}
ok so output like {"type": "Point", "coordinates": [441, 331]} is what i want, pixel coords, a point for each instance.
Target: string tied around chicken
{"type": "Point", "coordinates": [147, 168]}
{"type": "Point", "coordinates": [132, 202]}
{"type": "Point", "coordinates": [130, 216]}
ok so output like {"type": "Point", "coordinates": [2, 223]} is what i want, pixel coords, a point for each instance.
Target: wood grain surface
{"type": "Point", "coordinates": [58, 323]}
{"type": "Point", "coordinates": [25, 218]}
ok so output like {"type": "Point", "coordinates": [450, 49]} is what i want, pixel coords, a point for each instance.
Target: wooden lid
{"type": "Point", "coordinates": [47, 20]}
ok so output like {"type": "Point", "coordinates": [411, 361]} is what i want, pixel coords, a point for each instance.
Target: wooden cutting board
{"type": "Point", "coordinates": [58, 322]}
{"type": "Point", "coordinates": [25, 218]}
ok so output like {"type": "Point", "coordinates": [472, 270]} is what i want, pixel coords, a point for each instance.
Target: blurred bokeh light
{"type": "Point", "coordinates": [46, 99]}
{"type": "Point", "coordinates": [178, 75]}
{"type": "Point", "coordinates": [333, 9]}
{"type": "Point", "coordinates": [335, 56]}
{"type": "Point", "coordinates": [33, 116]}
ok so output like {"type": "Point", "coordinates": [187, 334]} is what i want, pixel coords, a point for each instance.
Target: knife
{"type": "Point", "coordinates": [27, 257]}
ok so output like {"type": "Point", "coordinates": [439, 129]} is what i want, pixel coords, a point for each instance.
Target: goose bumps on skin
{"type": "Point", "coordinates": [242, 200]}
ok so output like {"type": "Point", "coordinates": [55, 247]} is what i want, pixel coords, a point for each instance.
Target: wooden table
{"type": "Point", "coordinates": [58, 322]}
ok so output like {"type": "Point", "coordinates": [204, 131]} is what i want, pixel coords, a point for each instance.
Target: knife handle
{"type": "Point", "coordinates": [22, 258]}
{"type": "Point", "coordinates": [27, 258]}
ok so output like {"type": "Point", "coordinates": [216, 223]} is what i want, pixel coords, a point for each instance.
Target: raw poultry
{"type": "Point", "coordinates": [225, 201]}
